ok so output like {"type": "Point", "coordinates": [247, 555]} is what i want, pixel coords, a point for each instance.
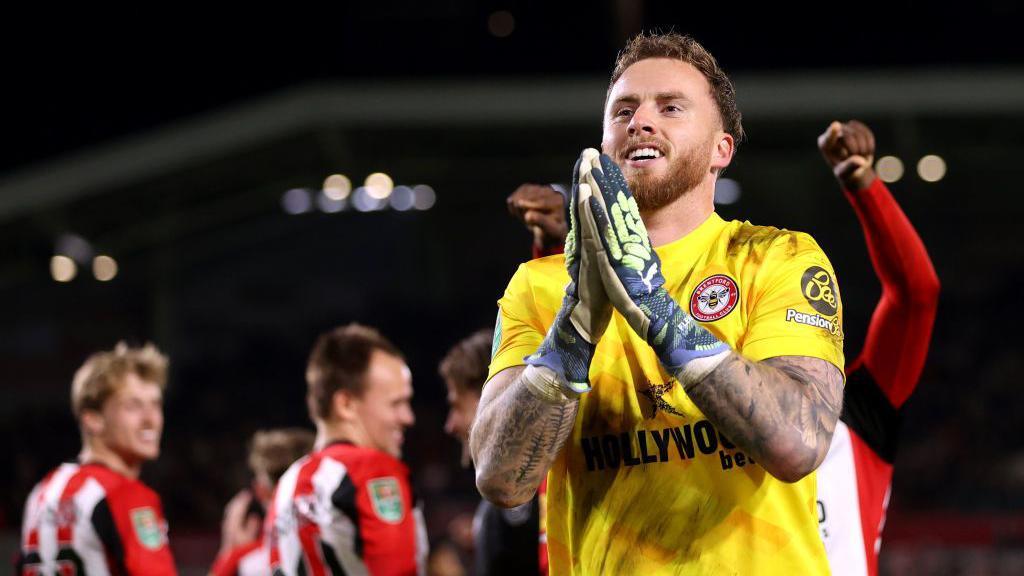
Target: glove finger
{"type": "Point", "coordinates": [576, 173]}
{"type": "Point", "coordinates": [611, 208]}
{"type": "Point", "coordinates": [599, 181]}
{"type": "Point", "coordinates": [604, 229]}
{"type": "Point", "coordinates": [610, 168]}
{"type": "Point", "coordinates": [614, 176]}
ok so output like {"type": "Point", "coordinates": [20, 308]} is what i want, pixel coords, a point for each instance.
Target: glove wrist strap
{"type": "Point", "coordinates": [544, 385]}
{"type": "Point", "coordinates": [697, 369]}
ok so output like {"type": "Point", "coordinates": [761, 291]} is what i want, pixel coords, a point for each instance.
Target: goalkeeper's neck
{"type": "Point", "coordinates": [682, 215]}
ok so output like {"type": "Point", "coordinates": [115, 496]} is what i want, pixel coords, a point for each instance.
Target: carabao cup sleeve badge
{"type": "Point", "coordinates": [386, 496]}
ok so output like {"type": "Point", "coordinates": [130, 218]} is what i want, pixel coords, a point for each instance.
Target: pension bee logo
{"type": "Point", "coordinates": [819, 289]}
{"type": "Point", "coordinates": [713, 298]}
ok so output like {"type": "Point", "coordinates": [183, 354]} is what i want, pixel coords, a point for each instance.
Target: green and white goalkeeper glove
{"type": "Point", "coordinates": [568, 348]}
{"type": "Point", "coordinates": [631, 273]}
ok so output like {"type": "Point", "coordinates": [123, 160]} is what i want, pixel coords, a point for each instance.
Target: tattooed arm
{"type": "Point", "coordinates": [781, 410]}
{"type": "Point", "coordinates": [515, 438]}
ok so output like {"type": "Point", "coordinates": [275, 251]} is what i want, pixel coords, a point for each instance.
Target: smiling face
{"type": "Point", "coordinates": [130, 423]}
{"type": "Point", "coordinates": [382, 412]}
{"type": "Point", "coordinates": [662, 127]}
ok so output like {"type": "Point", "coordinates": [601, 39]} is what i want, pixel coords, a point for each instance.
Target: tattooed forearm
{"type": "Point", "coordinates": [515, 438]}
{"type": "Point", "coordinates": [782, 410]}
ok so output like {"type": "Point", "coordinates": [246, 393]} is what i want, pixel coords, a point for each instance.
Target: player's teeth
{"type": "Point", "coordinates": [645, 153]}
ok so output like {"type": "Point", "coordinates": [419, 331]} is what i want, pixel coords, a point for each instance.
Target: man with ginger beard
{"type": "Point", "coordinates": [675, 377]}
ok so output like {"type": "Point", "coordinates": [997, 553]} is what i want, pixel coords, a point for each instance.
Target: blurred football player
{"type": "Point", "coordinates": [94, 516]}
{"type": "Point", "coordinates": [349, 508]}
{"type": "Point", "coordinates": [244, 550]}
{"type": "Point", "coordinates": [504, 541]}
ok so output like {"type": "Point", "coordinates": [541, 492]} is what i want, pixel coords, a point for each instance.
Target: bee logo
{"type": "Point", "coordinates": [713, 298]}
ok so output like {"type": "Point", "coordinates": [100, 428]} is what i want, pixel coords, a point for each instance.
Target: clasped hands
{"type": "Point", "coordinates": [611, 264]}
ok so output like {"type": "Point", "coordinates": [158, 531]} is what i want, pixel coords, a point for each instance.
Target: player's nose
{"type": "Point", "coordinates": [450, 423]}
{"type": "Point", "coordinates": [642, 122]}
{"type": "Point", "coordinates": [406, 417]}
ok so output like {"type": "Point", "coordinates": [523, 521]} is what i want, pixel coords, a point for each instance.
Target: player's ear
{"type": "Point", "coordinates": [343, 403]}
{"type": "Point", "coordinates": [721, 155]}
{"type": "Point", "coordinates": [92, 422]}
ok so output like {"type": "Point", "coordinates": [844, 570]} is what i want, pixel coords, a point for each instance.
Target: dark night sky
{"type": "Point", "coordinates": [70, 84]}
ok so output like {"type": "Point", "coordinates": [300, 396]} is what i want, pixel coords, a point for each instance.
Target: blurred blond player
{"type": "Point", "coordinates": [243, 548]}
{"type": "Point", "coordinates": [94, 516]}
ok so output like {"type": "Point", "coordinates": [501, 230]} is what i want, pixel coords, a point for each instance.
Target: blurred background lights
{"type": "Point", "coordinates": [104, 268]}
{"type": "Point", "coordinates": [74, 247]}
{"type": "Point", "coordinates": [889, 168]}
{"type": "Point", "coordinates": [727, 191]}
{"type": "Point", "coordinates": [424, 197]}
{"type": "Point", "coordinates": [931, 168]}
{"type": "Point", "coordinates": [337, 187]}
{"type": "Point", "coordinates": [62, 268]}
{"type": "Point", "coordinates": [501, 24]}
{"type": "Point", "coordinates": [379, 185]}
{"type": "Point", "coordinates": [402, 198]}
{"type": "Point", "coordinates": [363, 201]}
{"type": "Point", "coordinates": [297, 201]}
{"type": "Point", "coordinates": [328, 203]}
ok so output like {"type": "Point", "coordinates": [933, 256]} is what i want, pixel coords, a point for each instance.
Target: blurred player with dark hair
{"type": "Point", "coordinates": [94, 516]}
{"type": "Point", "coordinates": [349, 507]}
{"type": "Point", "coordinates": [856, 476]}
{"type": "Point", "coordinates": [243, 549]}
{"type": "Point", "coordinates": [505, 541]}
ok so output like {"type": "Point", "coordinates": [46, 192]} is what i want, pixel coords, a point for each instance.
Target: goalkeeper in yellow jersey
{"type": "Point", "coordinates": [677, 377]}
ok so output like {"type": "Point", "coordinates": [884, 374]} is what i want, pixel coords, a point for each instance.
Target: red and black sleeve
{"type": "Point", "coordinates": [900, 330]}
{"type": "Point", "coordinates": [380, 496]}
{"type": "Point", "coordinates": [141, 528]}
{"type": "Point", "coordinates": [885, 374]}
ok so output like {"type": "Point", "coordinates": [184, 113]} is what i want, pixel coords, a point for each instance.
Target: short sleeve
{"type": "Point", "coordinates": [141, 527]}
{"type": "Point", "coordinates": [518, 330]}
{"type": "Point", "coordinates": [797, 309]}
{"type": "Point", "coordinates": [387, 520]}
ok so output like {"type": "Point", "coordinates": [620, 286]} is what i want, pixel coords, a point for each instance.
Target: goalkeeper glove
{"type": "Point", "coordinates": [568, 348]}
{"type": "Point", "coordinates": [631, 272]}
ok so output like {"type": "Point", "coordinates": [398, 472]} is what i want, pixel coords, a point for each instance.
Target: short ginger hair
{"type": "Point", "coordinates": [684, 48]}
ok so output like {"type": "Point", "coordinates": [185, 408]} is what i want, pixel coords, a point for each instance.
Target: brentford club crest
{"type": "Point", "coordinates": [713, 298]}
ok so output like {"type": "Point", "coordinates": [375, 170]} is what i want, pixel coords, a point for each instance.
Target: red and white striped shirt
{"type": "Point", "coordinates": [347, 510]}
{"type": "Point", "coordinates": [854, 481]}
{"type": "Point", "coordinates": [90, 520]}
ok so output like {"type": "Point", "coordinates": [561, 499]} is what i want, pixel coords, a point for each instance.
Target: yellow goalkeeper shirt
{"type": "Point", "coordinates": [646, 484]}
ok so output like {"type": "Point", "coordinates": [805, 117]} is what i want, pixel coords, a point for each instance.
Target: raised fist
{"type": "Point", "coordinates": [849, 150]}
